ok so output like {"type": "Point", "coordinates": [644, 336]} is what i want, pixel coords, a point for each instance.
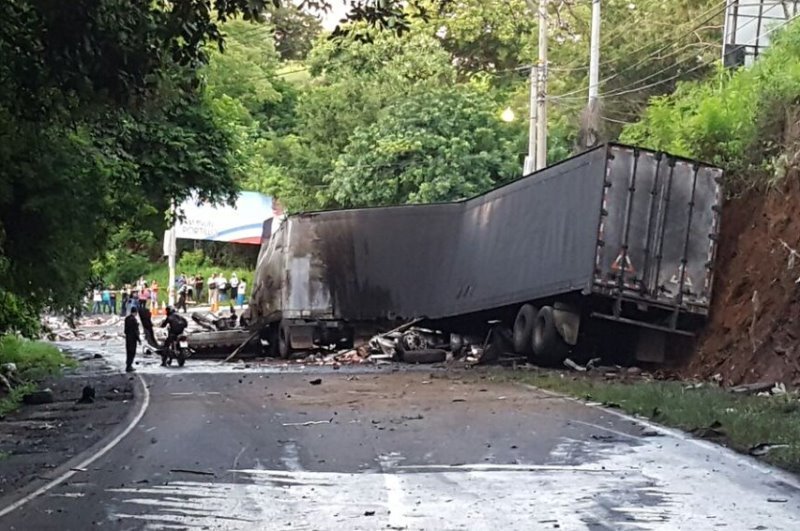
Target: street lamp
{"type": "Point", "coordinates": [508, 115]}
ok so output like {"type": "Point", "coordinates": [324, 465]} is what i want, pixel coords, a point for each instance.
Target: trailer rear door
{"type": "Point", "coordinates": [658, 230]}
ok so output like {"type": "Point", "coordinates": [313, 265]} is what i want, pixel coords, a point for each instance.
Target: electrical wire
{"type": "Point", "coordinates": [652, 54]}
{"type": "Point", "coordinates": [624, 90]}
{"type": "Point", "coordinates": [719, 7]}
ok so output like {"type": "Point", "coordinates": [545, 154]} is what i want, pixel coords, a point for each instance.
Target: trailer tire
{"type": "Point", "coordinates": [523, 330]}
{"type": "Point", "coordinates": [432, 355]}
{"type": "Point", "coordinates": [549, 348]}
{"type": "Point", "coordinates": [284, 341]}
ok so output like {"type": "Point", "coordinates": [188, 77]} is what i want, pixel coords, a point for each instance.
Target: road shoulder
{"type": "Point", "coordinates": [39, 444]}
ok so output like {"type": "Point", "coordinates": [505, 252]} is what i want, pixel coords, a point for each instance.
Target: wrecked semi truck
{"type": "Point", "coordinates": [611, 249]}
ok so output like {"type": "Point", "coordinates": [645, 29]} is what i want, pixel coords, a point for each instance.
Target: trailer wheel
{"type": "Point", "coordinates": [549, 348]}
{"type": "Point", "coordinates": [284, 341]}
{"type": "Point", "coordinates": [523, 330]}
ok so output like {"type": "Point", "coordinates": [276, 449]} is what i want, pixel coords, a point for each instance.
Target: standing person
{"type": "Point", "coordinates": [198, 287]}
{"type": "Point", "coordinates": [213, 294]}
{"type": "Point", "coordinates": [241, 292]}
{"type": "Point", "coordinates": [97, 299]}
{"type": "Point", "coordinates": [154, 294]}
{"type": "Point", "coordinates": [182, 294]}
{"type": "Point", "coordinates": [144, 296]}
{"type": "Point", "coordinates": [131, 339]}
{"type": "Point", "coordinates": [113, 299]}
{"type": "Point", "coordinates": [222, 288]}
{"type": "Point", "coordinates": [106, 296]}
{"type": "Point", "coordinates": [234, 288]}
{"type": "Point", "coordinates": [147, 324]}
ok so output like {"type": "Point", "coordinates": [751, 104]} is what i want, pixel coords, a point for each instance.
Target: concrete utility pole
{"type": "Point", "coordinates": [530, 159]}
{"type": "Point", "coordinates": [593, 109]}
{"type": "Point", "coordinates": [541, 113]}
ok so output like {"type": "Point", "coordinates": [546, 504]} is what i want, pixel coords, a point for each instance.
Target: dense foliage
{"type": "Point", "coordinates": [743, 120]}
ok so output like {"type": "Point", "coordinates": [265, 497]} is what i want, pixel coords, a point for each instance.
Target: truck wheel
{"type": "Point", "coordinates": [284, 341]}
{"type": "Point", "coordinates": [425, 356]}
{"type": "Point", "coordinates": [523, 330]}
{"type": "Point", "coordinates": [548, 346]}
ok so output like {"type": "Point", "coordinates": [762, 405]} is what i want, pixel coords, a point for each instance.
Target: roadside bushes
{"type": "Point", "coordinates": [740, 120]}
{"type": "Point", "coordinates": [34, 360]}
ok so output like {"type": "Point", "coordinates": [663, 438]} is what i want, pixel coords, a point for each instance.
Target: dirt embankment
{"type": "Point", "coordinates": [754, 332]}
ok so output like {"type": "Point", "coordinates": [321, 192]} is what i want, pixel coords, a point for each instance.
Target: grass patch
{"type": "Point", "coordinates": [4, 455]}
{"type": "Point", "coordinates": [34, 361]}
{"type": "Point", "coordinates": [746, 421]}
{"type": "Point", "coordinates": [12, 401]}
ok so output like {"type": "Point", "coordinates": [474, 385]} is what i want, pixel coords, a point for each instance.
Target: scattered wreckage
{"type": "Point", "coordinates": [611, 250]}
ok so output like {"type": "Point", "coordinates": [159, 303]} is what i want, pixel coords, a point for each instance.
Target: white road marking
{"type": "Point", "coordinates": [88, 461]}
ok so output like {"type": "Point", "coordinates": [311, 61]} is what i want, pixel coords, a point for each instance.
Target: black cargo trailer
{"type": "Point", "coordinates": [614, 235]}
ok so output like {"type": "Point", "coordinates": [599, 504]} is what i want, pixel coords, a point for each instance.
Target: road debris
{"type": "Point", "coordinates": [318, 381]}
{"type": "Point", "coordinates": [193, 472]}
{"type": "Point", "coordinates": [754, 388]}
{"type": "Point", "coordinates": [574, 366]}
{"type": "Point", "coordinates": [37, 398]}
{"type": "Point", "coordinates": [713, 431]}
{"type": "Point", "coordinates": [763, 449]}
{"type": "Point", "coordinates": [87, 395]}
{"type": "Point", "coordinates": [309, 423]}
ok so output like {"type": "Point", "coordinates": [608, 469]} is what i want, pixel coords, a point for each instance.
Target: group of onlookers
{"type": "Point", "coordinates": [143, 294]}
{"type": "Point", "coordinates": [220, 289]}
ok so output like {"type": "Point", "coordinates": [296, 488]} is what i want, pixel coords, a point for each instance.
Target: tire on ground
{"type": "Point", "coordinates": [433, 355]}
{"type": "Point", "coordinates": [523, 330]}
{"type": "Point", "coordinates": [284, 341]}
{"type": "Point", "coordinates": [549, 348]}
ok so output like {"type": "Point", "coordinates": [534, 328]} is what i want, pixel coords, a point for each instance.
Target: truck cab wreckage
{"type": "Point", "coordinates": [612, 249]}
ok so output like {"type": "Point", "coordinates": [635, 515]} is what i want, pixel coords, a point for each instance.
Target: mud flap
{"type": "Point", "coordinates": [651, 346]}
{"type": "Point", "coordinates": [568, 322]}
{"type": "Point", "coordinates": [301, 337]}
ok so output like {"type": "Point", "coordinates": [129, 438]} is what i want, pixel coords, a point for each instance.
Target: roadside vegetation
{"type": "Point", "coordinates": [32, 361]}
{"type": "Point", "coordinates": [742, 422]}
{"type": "Point", "coordinates": [742, 120]}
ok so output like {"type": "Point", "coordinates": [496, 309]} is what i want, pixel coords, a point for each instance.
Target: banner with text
{"type": "Point", "coordinates": [242, 223]}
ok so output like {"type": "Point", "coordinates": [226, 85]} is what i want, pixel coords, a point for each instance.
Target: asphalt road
{"type": "Point", "coordinates": [388, 449]}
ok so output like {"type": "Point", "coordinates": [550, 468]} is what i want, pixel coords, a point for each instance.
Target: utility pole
{"type": "Point", "coordinates": [541, 113]}
{"type": "Point", "coordinates": [530, 160]}
{"type": "Point", "coordinates": [593, 109]}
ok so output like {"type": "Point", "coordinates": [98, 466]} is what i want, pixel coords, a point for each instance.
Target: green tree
{"type": "Point", "coordinates": [294, 31]}
{"type": "Point", "coordinates": [431, 146]}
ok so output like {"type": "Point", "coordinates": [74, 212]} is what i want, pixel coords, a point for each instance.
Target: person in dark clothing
{"type": "Point", "coordinates": [198, 287]}
{"type": "Point", "coordinates": [182, 293]}
{"type": "Point", "coordinates": [131, 340]}
{"type": "Point", "coordinates": [176, 324]}
{"type": "Point", "coordinates": [147, 324]}
{"type": "Point", "coordinates": [112, 297]}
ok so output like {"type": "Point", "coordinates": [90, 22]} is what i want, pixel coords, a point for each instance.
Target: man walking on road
{"type": "Point", "coordinates": [131, 339]}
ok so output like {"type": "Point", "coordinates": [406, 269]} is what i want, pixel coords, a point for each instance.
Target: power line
{"type": "Point", "coordinates": [655, 53]}
{"type": "Point", "coordinates": [624, 91]}
{"type": "Point", "coordinates": [722, 4]}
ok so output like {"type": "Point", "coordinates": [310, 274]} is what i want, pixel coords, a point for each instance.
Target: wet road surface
{"type": "Point", "coordinates": [388, 449]}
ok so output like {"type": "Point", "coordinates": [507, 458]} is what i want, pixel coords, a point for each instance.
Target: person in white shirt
{"type": "Point", "coordinates": [222, 288]}
{"type": "Point", "coordinates": [240, 293]}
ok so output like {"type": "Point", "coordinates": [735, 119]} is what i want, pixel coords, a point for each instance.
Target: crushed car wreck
{"type": "Point", "coordinates": [616, 244]}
